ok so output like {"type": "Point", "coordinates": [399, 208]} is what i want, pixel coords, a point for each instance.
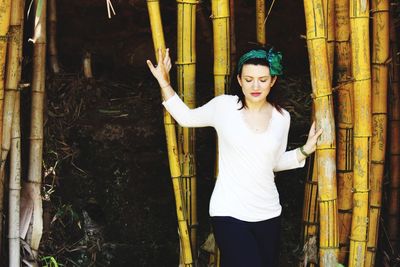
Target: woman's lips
{"type": "Point", "coordinates": [255, 94]}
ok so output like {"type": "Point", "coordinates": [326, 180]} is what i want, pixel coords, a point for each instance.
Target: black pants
{"type": "Point", "coordinates": [245, 244]}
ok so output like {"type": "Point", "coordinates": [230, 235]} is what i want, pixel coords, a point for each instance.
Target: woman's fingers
{"type": "Point", "coordinates": [151, 66]}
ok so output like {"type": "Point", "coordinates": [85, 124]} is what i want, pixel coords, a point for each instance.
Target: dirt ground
{"type": "Point", "coordinates": [113, 203]}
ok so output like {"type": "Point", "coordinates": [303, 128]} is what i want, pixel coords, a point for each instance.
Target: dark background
{"type": "Point", "coordinates": [113, 202]}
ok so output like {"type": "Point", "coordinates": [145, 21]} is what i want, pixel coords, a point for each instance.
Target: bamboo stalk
{"type": "Point", "coordinates": [325, 152]}
{"type": "Point", "coordinates": [169, 124]}
{"type": "Point", "coordinates": [36, 129]}
{"type": "Point", "coordinates": [359, 26]}
{"type": "Point", "coordinates": [233, 58]}
{"type": "Point", "coordinates": [329, 14]}
{"type": "Point", "coordinates": [186, 77]}
{"type": "Point", "coordinates": [260, 19]}
{"type": "Point", "coordinates": [221, 32]}
{"type": "Point", "coordinates": [10, 89]}
{"type": "Point", "coordinates": [310, 215]}
{"type": "Point", "coordinates": [15, 188]}
{"type": "Point", "coordinates": [344, 98]}
{"type": "Point", "coordinates": [394, 150]}
{"type": "Point", "coordinates": [5, 14]}
{"type": "Point", "coordinates": [53, 53]}
{"type": "Point", "coordinates": [380, 56]}
{"type": "Point", "coordinates": [87, 65]}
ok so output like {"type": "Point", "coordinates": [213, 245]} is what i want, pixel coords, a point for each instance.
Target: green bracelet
{"type": "Point", "coordinates": [303, 152]}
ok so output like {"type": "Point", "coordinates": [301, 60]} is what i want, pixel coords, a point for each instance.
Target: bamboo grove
{"type": "Point", "coordinates": [350, 88]}
{"type": "Point", "coordinates": [354, 72]}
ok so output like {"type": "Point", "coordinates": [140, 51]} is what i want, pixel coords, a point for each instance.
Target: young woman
{"type": "Point", "coordinates": [252, 134]}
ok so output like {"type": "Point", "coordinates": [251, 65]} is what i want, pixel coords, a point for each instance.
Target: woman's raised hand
{"type": "Point", "coordinates": [311, 143]}
{"type": "Point", "coordinates": [161, 70]}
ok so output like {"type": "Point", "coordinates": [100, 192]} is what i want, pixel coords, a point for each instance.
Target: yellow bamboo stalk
{"type": "Point", "coordinates": [344, 98]}
{"type": "Point", "coordinates": [5, 14]}
{"type": "Point", "coordinates": [36, 129]}
{"type": "Point", "coordinates": [169, 124]}
{"type": "Point", "coordinates": [380, 56]}
{"type": "Point", "coordinates": [325, 152]}
{"type": "Point", "coordinates": [233, 37]}
{"type": "Point", "coordinates": [15, 188]}
{"type": "Point", "coordinates": [186, 77]}
{"type": "Point", "coordinates": [329, 14]}
{"type": "Point", "coordinates": [260, 19]}
{"type": "Point", "coordinates": [53, 53]}
{"type": "Point", "coordinates": [359, 26]}
{"type": "Point", "coordinates": [394, 151]}
{"type": "Point", "coordinates": [310, 215]}
{"type": "Point", "coordinates": [10, 87]}
{"type": "Point", "coordinates": [221, 33]}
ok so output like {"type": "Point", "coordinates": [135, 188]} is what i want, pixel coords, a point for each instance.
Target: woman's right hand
{"type": "Point", "coordinates": [161, 70]}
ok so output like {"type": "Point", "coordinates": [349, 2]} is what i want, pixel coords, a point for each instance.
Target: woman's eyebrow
{"type": "Point", "coordinates": [248, 76]}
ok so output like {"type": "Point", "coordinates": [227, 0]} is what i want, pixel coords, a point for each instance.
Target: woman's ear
{"type": "Point", "coordinates": [239, 80]}
{"type": "Point", "coordinates": [273, 80]}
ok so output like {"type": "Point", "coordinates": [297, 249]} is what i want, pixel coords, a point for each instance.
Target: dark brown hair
{"type": "Point", "coordinates": [274, 97]}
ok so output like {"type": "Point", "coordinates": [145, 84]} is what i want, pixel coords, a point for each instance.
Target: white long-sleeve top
{"type": "Point", "coordinates": [245, 188]}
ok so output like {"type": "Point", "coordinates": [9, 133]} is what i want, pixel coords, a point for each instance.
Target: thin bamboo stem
{"type": "Point", "coordinates": [394, 150]}
{"type": "Point", "coordinates": [233, 39]}
{"type": "Point", "coordinates": [15, 188]}
{"type": "Point", "coordinates": [344, 98]}
{"type": "Point", "coordinates": [260, 19]}
{"type": "Point", "coordinates": [36, 129]}
{"type": "Point", "coordinates": [170, 133]}
{"type": "Point", "coordinates": [186, 77]}
{"type": "Point", "coordinates": [380, 55]}
{"type": "Point", "coordinates": [325, 152]}
{"type": "Point", "coordinates": [53, 53]}
{"type": "Point", "coordinates": [359, 25]}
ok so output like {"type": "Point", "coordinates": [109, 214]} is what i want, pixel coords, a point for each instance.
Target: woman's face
{"type": "Point", "coordinates": [256, 82]}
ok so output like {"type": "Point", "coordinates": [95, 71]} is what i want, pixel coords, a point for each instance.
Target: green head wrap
{"type": "Point", "coordinates": [272, 57]}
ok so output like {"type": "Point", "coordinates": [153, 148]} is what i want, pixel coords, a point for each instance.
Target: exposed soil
{"type": "Point", "coordinates": [113, 203]}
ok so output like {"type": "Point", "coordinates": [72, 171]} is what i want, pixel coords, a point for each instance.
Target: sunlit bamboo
{"type": "Point", "coordinates": [36, 129]}
{"type": "Point", "coordinates": [15, 188]}
{"type": "Point", "coordinates": [325, 153]}
{"type": "Point", "coordinates": [260, 19]}
{"type": "Point", "coordinates": [186, 78]}
{"type": "Point", "coordinates": [10, 88]}
{"type": "Point", "coordinates": [359, 27]}
{"type": "Point", "coordinates": [380, 56]}
{"type": "Point", "coordinates": [169, 124]}
{"type": "Point", "coordinates": [344, 117]}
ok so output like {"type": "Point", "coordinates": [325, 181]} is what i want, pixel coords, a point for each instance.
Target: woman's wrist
{"type": "Point", "coordinates": [304, 152]}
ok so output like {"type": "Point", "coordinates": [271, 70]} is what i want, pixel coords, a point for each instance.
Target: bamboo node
{"type": "Point", "coordinates": [354, 190]}
{"type": "Point", "coordinates": [372, 249]}
{"type": "Point", "coordinates": [345, 211]}
{"type": "Point", "coordinates": [312, 182]}
{"type": "Point", "coordinates": [313, 96]}
{"type": "Point", "coordinates": [329, 247]}
{"type": "Point", "coordinates": [4, 38]}
{"type": "Point", "coordinates": [327, 200]}
{"type": "Point", "coordinates": [193, 2]}
{"type": "Point", "coordinates": [219, 17]}
{"type": "Point", "coordinates": [357, 240]}
{"type": "Point", "coordinates": [185, 63]}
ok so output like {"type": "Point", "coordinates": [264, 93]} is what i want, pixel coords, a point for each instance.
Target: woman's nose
{"type": "Point", "coordinates": [255, 84]}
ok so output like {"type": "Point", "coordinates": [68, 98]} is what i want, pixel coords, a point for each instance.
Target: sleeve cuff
{"type": "Point", "coordinates": [170, 101]}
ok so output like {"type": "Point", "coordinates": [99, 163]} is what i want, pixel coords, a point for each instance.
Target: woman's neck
{"type": "Point", "coordinates": [257, 106]}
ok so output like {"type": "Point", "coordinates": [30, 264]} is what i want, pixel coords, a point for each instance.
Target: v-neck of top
{"type": "Point", "coordinates": [247, 126]}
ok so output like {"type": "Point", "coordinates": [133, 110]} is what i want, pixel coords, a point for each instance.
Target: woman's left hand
{"type": "Point", "coordinates": [311, 143]}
